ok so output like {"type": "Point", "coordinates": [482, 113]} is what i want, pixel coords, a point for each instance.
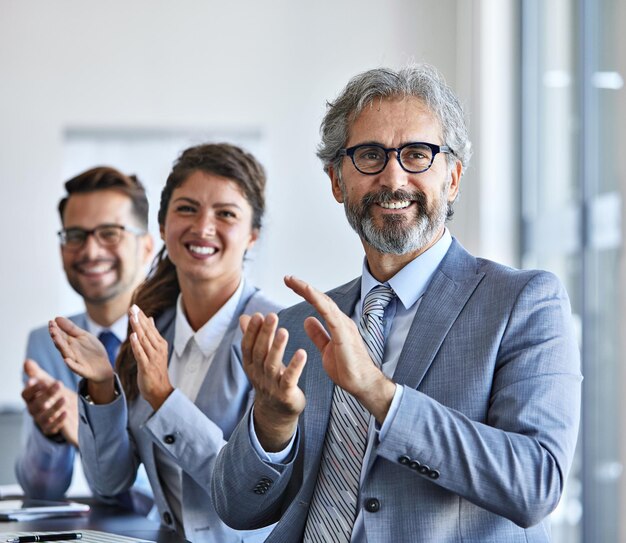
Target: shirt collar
{"type": "Point", "coordinates": [209, 336]}
{"type": "Point", "coordinates": [410, 282]}
{"type": "Point", "coordinates": [119, 327]}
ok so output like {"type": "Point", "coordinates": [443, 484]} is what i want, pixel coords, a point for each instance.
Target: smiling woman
{"type": "Point", "coordinates": [207, 231]}
{"type": "Point", "coordinates": [181, 388]}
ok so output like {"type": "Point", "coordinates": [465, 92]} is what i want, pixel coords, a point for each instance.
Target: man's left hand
{"type": "Point", "coordinates": [53, 406]}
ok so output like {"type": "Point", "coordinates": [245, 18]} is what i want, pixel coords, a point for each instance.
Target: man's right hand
{"type": "Point", "coordinates": [278, 399]}
{"type": "Point", "coordinates": [86, 356]}
{"type": "Point", "coordinates": [52, 405]}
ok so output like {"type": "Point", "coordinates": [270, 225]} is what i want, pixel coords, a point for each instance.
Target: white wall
{"type": "Point", "coordinates": [247, 65]}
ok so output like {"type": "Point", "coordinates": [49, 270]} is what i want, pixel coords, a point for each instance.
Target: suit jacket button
{"type": "Point", "coordinates": [169, 439]}
{"type": "Point", "coordinates": [433, 474]}
{"type": "Point", "coordinates": [414, 464]}
{"type": "Point", "coordinates": [262, 485]}
{"type": "Point", "coordinates": [167, 518]}
{"type": "Point", "coordinates": [404, 460]}
{"type": "Point", "coordinates": [372, 505]}
{"type": "Point", "coordinates": [423, 469]}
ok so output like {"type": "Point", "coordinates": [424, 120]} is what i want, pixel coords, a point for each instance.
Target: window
{"type": "Point", "coordinates": [571, 224]}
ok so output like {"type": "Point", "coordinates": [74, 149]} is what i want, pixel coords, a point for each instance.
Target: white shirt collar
{"type": "Point", "coordinates": [411, 282]}
{"type": "Point", "coordinates": [119, 327]}
{"type": "Point", "coordinates": [209, 336]}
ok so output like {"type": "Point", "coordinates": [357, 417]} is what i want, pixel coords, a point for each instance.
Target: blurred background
{"type": "Point", "coordinates": [131, 84]}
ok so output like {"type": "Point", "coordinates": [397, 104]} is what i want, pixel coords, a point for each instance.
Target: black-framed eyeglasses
{"type": "Point", "coordinates": [414, 157]}
{"type": "Point", "coordinates": [107, 235]}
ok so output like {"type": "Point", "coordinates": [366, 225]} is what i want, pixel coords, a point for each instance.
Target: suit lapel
{"type": "Point", "coordinates": [166, 325]}
{"type": "Point", "coordinates": [219, 369]}
{"type": "Point", "coordinates": [451, 287]}
{"type": "Point", "coordinates": [80, 320]}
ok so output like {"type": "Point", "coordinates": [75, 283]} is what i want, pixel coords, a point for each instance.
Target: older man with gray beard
{"type": "Point", "coordinates": [442, 392]}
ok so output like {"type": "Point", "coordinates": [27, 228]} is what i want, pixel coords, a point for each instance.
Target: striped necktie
{"type": "Point", "coordinates": [334, 505]}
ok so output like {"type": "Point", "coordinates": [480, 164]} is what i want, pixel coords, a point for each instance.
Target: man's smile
{"type": "Point", "coordinates": [95, 268]}
{"type": "Point", "coordinates": [402, 204]}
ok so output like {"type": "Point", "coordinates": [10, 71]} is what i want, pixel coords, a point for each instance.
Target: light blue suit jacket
{"type": "Point", "coordinates": [191, 433]}
{"type": "Point", "coordinates": [485, 433]}
{"type": "Point", "coordinates": [44, 468]}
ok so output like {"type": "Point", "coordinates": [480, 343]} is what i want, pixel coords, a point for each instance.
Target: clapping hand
{"type": "Point", "coordinates": [278, 399]}
{"type": "Point", "coordinates": [52, 405]}
{"type": "Point", "coordinates": [151, 354]}
{"type": "Point", "coordinates": [86, 356]}
{"type": "Point", "coordinates": [344, 355]}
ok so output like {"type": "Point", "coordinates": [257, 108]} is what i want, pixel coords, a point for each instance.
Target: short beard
{"type": "Point", "coordinates": [397, 236]}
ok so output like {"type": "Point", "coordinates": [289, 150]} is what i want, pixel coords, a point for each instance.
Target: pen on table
{"type": "Point", "coordinates": [46, 537]}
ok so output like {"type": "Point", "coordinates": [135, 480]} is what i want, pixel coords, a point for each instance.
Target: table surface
{"type": "Point", "coordinates": [104, 518]}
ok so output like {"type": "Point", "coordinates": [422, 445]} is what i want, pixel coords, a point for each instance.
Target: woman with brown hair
{"type": "Point", "coordinates": [181, 388]}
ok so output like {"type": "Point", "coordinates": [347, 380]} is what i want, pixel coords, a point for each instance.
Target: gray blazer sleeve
{"type": "Point", "coordinates": [44, 468]}
{"type": "Point", "coordinates": [193, 440]}
{"type": "Point", "coordinates": [248, 492]}
{"type": "Point", "coordinates": [108, 452]}
{"type": "Point", "coordinates": [514, 462]}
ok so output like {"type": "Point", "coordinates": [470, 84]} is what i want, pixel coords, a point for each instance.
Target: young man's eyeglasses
{"type": "Point", "coordinates": [107, 235]}
{"type": "Point", "coordinates": [414, 157]}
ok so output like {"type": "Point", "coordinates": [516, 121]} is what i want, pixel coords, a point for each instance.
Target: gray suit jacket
{"type": "Point", "coordinates": [192, 434]}
{"type": "Point", "coordinates": [485, 432]}
{"type": "Point", "coordinates": [44, 469]}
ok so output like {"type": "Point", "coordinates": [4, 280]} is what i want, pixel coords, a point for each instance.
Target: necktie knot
{"type": "Point", "coordinates": [377, 300]}
{"type": "Point", "coordinates": [371, 323]}
{"type": "Point", "coordinates": [111, 344]}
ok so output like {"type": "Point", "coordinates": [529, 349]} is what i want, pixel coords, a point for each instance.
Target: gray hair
{"type": "Point", "coordinates": [419, 80]}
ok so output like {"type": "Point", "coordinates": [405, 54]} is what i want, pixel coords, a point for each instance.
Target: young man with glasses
{"type": "Point", "coordinates": [105, 249]}
{"type": "Point", "coordinates": [440, 399]}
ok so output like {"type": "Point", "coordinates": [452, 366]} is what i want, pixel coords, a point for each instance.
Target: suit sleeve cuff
{"type": "Point", "coordinates": [391, 414]}
{"type": "Point", "coordinates": [280, 457]}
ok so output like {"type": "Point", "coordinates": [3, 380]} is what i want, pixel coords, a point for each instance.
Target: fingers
{"type": "Point", "coordinates": [324, 305]}
{"type": "Point", "coordinates": [273, 360]}
{"type": "Point", "coordinates": [59, 338]}
{"type": "Point", "coordinates": [263, 344]}
{"type": "Point", "coordinates": [51, 419]}
{"type": "Point", "coordinates": [252, 327]}
{"type": "Point", "coordinates": [300, 287]}
{"type": "Point", "coordinates": [33, 389]}
{"type": "Point", "coordinates": [30, 367]}
{"type": "Point", "coordinates": [151, 354]}
{"type": "Point", "coordinates": [33, 370]}
{"type": "Point", "coordinates": [292, 373]}
{"type": "Point", "coordinates": [317, 333]}
{"type": "Point", "coordinates": [263, 348]}
{"type": "Point", "coordinates": [138, 350]}
{"type": "Point", "coordinates": [146, 332]}
{"type": "Point", "coordinates": [45, 402]}
{"type": "Point", "coordinates": [67, 326]}
{"type": "Point", "coordinates": [133, 312]}
{"type": "Point", "coordinates": [243, 322]}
